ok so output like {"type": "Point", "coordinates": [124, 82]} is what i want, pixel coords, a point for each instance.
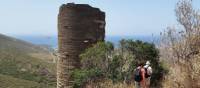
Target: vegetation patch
{"type": "Point", "coordinates": [103, 60]}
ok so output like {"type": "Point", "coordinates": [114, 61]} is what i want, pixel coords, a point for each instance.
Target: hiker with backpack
{"type": "Point", "coordinates": [139, 76]}
{"type": "Point", "coordinates": [148, 72]}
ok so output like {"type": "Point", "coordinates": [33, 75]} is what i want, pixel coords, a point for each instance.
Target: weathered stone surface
{"type": "Point", "coordinates": [79, 26]}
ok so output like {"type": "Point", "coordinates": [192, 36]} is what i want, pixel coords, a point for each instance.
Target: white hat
{"type": "Point", "coordinates": [148, 63]}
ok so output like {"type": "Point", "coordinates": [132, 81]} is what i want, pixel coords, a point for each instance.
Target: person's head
{"type": "Point", "coordinates": [141, 63]}
{"type": "Point", "coordinates": [148, 63]}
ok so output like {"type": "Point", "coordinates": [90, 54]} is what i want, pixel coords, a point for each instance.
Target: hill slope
{"type": "Point", "coordinates": [22, 46]}
{"type": "Point", "coordinates": [25, 61]}
{"type": "Point", "coordinates": [11, 82]}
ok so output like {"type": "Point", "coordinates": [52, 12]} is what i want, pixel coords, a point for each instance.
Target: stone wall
{"type": "Point", "coordinates": [79, 26]}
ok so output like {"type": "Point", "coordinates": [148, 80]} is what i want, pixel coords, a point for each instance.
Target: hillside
{"type": "Point", "coordinates": [20, 45]}
{"type": "Point", "coordinates": [11, 82]}
{"type": "Point", "coordinates": [20, 60]}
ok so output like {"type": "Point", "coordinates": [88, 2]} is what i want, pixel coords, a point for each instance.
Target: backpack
{"type": "Point", "coordinates": [137, 75]}
{"type": "Point", "coordinates": [146, 72]}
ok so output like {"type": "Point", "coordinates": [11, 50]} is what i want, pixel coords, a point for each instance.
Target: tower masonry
{"type": "Point", "coordinates": [79, 26]}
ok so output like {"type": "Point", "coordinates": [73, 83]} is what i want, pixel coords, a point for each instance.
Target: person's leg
{"type": "Point", "coordinates": [137, 85]}
{"type": "Point", "coordinates": [148, 82]}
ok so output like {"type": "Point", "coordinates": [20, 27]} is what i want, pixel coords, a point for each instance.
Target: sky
{"type": "Point", "coordinates": [123, 17]}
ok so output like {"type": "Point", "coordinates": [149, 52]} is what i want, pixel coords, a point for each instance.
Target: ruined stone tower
{"type": "Point", "coordinates": [79, 26]}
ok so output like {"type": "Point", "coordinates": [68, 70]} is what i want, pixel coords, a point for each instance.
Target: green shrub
{"type": "Point", "coordinates": [81, 76]}
{"type": "Point", "coordinates": [144, 51]}
{"type": "Point", "coordinates": [97, 56]}
{"type": "Point", "coordinates": [115, 68]}
{"type": "Point", "coordinates": [118, 64]}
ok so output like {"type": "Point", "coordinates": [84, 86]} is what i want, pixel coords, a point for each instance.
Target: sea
{"type": "Point", "coordinates": [52, 41]}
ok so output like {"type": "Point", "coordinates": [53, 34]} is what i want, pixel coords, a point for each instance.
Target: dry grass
{"type": "Point", "coordinates": [44, 56]}
{"type": "Point", "coordinates": [184, 74]}
{"type": "Point", "coordinates": [195, 73]}
{"type": "Point", "coordinates": [109, 84]}
{"type": "Point", "coordinates": [12, 82]}
{"type": "Point", "coordinates": [176, 77]}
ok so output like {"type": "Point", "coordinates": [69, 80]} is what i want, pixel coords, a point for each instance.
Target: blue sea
{"type": "Point", "coordinates": [52, 40]}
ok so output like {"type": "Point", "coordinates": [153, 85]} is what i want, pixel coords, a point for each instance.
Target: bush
{"type": "Point", "coordinates": [97, 56]}
{"type": "Point", "coordinates": [144, 51]}
{"type": "Point", "coordinates": [180, 47]}
{"type": "Point", "coordinates": [117, 64]}
{"type": "Point", "coordinates": [115, 68]}
{"type": "Point", "coordinates": [81, 76]}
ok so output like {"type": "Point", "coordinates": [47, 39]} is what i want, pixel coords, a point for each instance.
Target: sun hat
{"type": "Point", "coordinates": [148, 63]}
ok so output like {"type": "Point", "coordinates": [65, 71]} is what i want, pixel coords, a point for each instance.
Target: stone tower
{"type": "Point", "coordinates": [79, 26]}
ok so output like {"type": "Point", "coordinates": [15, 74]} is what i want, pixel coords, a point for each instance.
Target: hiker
{"type": "Point", "coordinates": [139, 76]}
{"type": "Point", "coordinates": [148, 72]}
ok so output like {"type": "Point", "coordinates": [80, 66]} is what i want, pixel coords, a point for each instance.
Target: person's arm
{"type": "Point", "coordinates": [143, 82]}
